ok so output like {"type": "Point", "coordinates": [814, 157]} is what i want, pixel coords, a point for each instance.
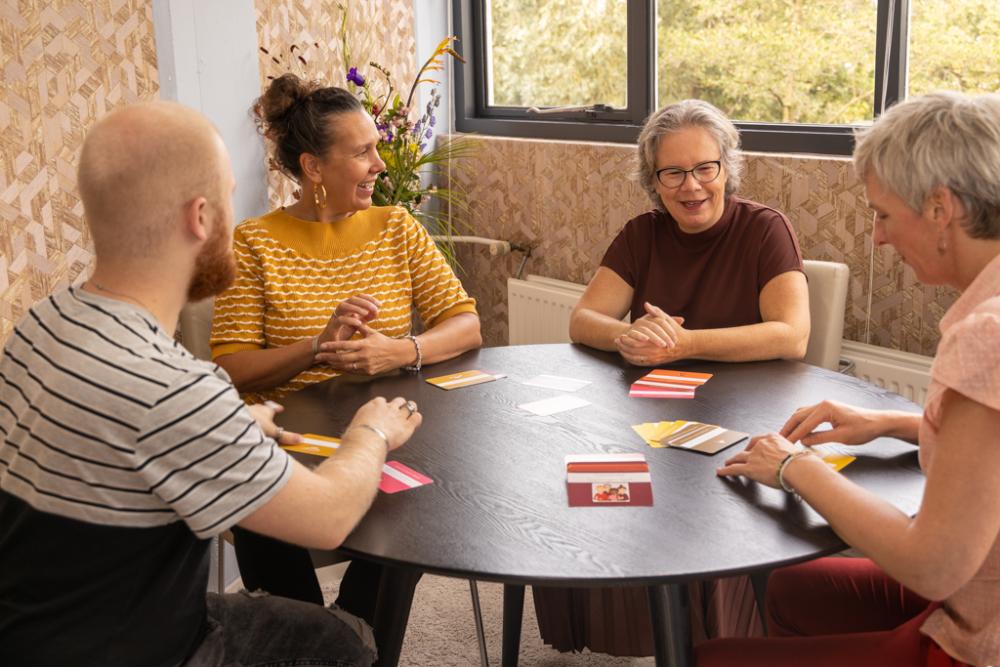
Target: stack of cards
{"type": "Point", "coordinates": [698, 437]}
{"type": "Point", "coordinates": [395, 476]}
{"type": "Point", "coordinates": [668, 384]}
{"type": "Point", "coordinates": [597, 480]}
{"type": "Point", "coordinates": [464, 379]}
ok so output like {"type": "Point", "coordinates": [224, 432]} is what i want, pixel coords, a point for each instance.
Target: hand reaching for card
{"type": "Point", "coordinates": [654, 339]}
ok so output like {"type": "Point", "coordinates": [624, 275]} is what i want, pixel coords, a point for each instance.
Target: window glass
{"type": "Point", "coordinates": [954, 45]}
{"type": "Point", "coordinates": [774, 61]}
{"type": "Point", "coordinates": [556, 52]}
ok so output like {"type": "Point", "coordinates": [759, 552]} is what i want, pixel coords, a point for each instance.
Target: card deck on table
{"type": "Point", "coordinates": [463, 379]}
{"type": "Point", "coordinates": [597, 480]}
{"type": "Point", "coordinates": [668, 384]}
{"type": "Point", "coordinates": [834, 457]}
{"type": "Point", "coordinates": [704, 438]}
{"type": "Point", "coordinates": [396, 477]}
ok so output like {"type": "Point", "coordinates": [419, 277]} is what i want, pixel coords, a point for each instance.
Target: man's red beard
{"type": "Point", "coordinates": [214, 268]}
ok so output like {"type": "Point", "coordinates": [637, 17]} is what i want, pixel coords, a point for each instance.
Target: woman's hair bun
{"type": "Point", "coordinates": [282, 95]}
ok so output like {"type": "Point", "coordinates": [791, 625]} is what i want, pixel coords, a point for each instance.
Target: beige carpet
{"type": "Point", "coordinates": [442, 630]}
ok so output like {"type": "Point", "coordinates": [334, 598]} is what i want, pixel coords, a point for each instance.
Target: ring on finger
{"type": "Point", "coordinates": [279, 433]}
{"type": "Point", "coordinates": [354, 365]}
{"type": "Point", "coordinates": [411, 408]}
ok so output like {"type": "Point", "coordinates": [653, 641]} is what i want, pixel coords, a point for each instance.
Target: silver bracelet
{"type": "Point", "coordinates": [784, 464]}
{"type": "Point", "coordinates": [415, 366]}
{"type": "Point", "coordinates": [377, 431]}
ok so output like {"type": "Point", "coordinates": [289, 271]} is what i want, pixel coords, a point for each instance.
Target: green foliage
{"type": "Point", "coordinates": [799, 61]}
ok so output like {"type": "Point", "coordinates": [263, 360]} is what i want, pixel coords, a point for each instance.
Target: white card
{"type": "Point", "coordinates": [551, 406]}
{"type": "Point", "coordinates": [556, 382]}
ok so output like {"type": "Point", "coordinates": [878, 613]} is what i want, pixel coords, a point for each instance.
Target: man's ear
{"type": "Point", "coordinates": [196, 218]}
{"type": "Point", "coordinates": [310, 165]}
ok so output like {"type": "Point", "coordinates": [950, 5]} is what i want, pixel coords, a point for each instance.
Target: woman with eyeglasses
{"type": "Point", "coordinates": [706, 275]}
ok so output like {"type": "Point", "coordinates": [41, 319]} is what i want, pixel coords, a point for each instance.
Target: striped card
{"type": "Point", "coordinates": [396, 477]}
{"type": "Point", "coordinates": [463, 379]}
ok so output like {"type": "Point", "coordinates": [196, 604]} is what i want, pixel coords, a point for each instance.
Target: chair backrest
{"type": "Point", "coordinates": [827, 300]}
{"type": "Point", "coordinates": [196, 327]}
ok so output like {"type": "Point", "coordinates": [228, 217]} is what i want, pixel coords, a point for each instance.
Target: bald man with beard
{"type": "Point", "coordinates": [121, 454]}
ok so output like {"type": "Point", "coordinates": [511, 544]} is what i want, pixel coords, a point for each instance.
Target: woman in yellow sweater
{"type": "Point", "coordinates": [326, 286]}
{"type": "Point", "coordinates": [331, 265]}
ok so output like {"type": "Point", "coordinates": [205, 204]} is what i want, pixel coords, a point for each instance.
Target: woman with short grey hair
{"type": "Point", "coordinates": [705, 274]}
{"type": "Point", "coordinates": [929, 591]}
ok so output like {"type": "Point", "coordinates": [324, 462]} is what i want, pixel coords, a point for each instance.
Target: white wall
{"type": "Point", "coordinates": [207, 59]}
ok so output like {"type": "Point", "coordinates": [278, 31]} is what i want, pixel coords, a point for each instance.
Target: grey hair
{"type": "Point", "coordinates": [942, 139]}
{"type": "Point", "coordinates": [677, 116]}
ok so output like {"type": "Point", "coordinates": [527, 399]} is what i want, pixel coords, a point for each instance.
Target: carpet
{"type": "Point", "coordinates": [442, 631]}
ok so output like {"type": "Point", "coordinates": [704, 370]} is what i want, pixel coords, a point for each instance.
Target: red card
{"type": "Point", "coordinates": [397, 477]}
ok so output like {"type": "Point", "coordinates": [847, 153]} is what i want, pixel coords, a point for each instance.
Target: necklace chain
{"type": "Point", "coordinates": [117, 293]}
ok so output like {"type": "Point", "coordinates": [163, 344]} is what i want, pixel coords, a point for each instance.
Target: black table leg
{"type": "Point", "coordinates": [759, 582]}
{"type": "Point", "coordinates": [668, 605]}
{"type": "Point", "coordinates": [513, 611]}
{"type": "Point", "coordinates": [392, 611]}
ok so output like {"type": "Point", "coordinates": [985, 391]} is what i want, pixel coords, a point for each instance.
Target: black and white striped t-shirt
{"type": "Point", "coordinates": [118, 451]}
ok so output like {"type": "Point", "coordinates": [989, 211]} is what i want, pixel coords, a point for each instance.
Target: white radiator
{"type": "Point", "coordinates": [904, 373]}
{"type": "Point", "coordinates": [538, 311]}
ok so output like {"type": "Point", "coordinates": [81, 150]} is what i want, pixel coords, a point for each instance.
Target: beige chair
{"type": "Point", "coordinates": [827, 299]}
{"type": "Point", "coordinates": [196, 326]}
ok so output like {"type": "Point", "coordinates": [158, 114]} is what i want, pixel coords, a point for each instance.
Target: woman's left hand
{"type": "Point", "coordinates": [639, 349]}
{"type": "Point", "coordinates": [760, 460]}
{"type": "Point", "coordinates": [372, 354]}
{"type": "Point", "coordinates": [263, 414]}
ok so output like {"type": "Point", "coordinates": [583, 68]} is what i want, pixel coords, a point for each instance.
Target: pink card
{"type": "Point", "coordinates": [397, 477]}
{"type": "Point", "coordinates": [651, 392]}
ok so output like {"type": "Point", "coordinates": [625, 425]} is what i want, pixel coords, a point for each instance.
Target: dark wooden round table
{"type": "Point", "coordinates": [497, 509]}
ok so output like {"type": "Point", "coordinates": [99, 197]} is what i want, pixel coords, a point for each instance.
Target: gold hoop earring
{"type": "Point", "coordinates": [317, 189]}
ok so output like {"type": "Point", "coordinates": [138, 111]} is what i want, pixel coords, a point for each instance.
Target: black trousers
{"type": "Point", "coordinates": [286, 570]}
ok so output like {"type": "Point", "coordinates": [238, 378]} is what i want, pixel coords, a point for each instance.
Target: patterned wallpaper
{"type": "Point", "coordinates": [569, 201]}
{"type": "Point", "coordinates": [378, 30]}
{"type": "Point", "coordinates": [65, 63]}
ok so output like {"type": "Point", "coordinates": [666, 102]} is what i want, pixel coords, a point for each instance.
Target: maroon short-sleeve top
{"type": "Point", "coordinates": [713, 278]}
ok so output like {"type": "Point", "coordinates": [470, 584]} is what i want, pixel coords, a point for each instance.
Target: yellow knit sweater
{"type": "Point", "coordinates": [293, 273]}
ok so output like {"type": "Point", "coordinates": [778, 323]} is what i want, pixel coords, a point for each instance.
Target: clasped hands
{"type": "Point", "coordinates": [655, 338]}
{"type": "Point", "coordinates": [761, 458]}
{"type": "Point", "coordinates": [371, 353]}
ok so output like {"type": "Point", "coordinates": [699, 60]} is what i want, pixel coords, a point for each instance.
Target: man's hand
{"type": "Point", "coordinates": [397, 418]}
{"type": "Point", "coordinates": [263, 414]}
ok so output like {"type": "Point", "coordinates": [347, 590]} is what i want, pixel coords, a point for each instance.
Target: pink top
{"type": "Point", "coordinates": [967, 625]}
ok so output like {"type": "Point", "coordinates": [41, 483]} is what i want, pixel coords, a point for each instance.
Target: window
{"type": "Point", "coordinates": [795, 75]}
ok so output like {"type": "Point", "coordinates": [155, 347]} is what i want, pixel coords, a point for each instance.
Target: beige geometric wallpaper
{"type": "Point", "coordinates": [568, 201]}
{"type": "Point", "coordinates": [378, 30]}
{"type": "Point", "coordinates": [64, 64]}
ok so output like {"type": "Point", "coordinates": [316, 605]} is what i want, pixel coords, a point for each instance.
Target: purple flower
{"type": "Point", "coordinates": [388, 136]}
{"type": "Point", "coordinates": [354, 77]}
{"type": "Point", "coordinates": [429, 133]}
{"type": "Point", "coordinates": [433, 121]}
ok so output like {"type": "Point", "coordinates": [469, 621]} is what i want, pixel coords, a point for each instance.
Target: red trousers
{"type": "Point", "coordinates": [835, 612]}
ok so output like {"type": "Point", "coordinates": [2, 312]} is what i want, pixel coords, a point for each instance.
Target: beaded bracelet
{"type": "Point", "coordinates": [780, 475]}
{"type": "Point", "coordinates": [415, 366]}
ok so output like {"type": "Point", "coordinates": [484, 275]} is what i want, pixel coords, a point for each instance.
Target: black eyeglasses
{"type": "Point", "coordinates": [703, 172]}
